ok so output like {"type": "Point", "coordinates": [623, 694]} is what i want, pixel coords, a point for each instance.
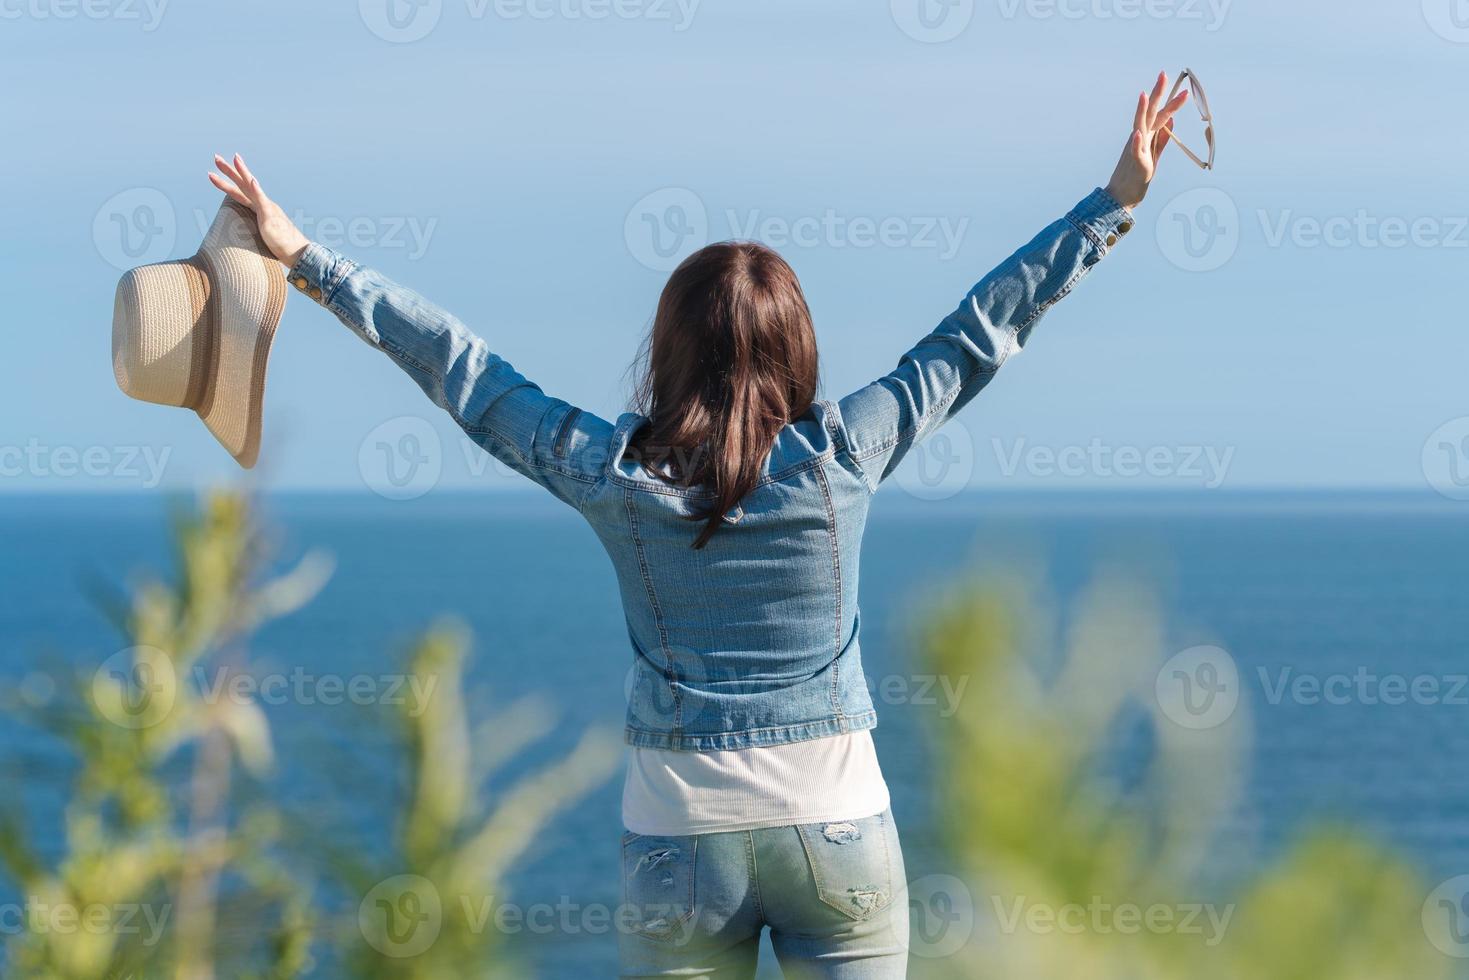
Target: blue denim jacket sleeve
{"type": "Point", "coordinates": [555, 444]}
{"type": "Point", "coordinates": [946, 369]}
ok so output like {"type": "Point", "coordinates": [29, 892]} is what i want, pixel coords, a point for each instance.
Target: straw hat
{"type": "Point", "coordinates": [196, 333]}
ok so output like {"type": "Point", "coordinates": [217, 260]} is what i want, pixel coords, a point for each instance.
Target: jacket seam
{"type": "Point", "coordinates": [470, 428]}
{"type": "Point", "coordinates": [832, 421]}
{"type": "Point", "coordinates": [909, 431]}
{"type": "Point", "coordinates": [343, 268]}
{"type": "Point", "coordinates": [1075, 220]}
{"type": "Point", "coordinates": [668, 738]}
{"type": "Point", "coordinates": [836, 564]}
{"type": "Point", "coordinates": [779, 477]}
{"type": "Point", "coordinates": [1012, 335]}
{"type": "Point", "coordinates": [1036, 312]}
{"type": "Point", "coordinates": [637, 538]}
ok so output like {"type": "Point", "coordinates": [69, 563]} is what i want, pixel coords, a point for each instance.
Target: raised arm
{"type": "Point", "coordinates": [947, 368]}
{"type": "Point", "coordinates": [544, 438]}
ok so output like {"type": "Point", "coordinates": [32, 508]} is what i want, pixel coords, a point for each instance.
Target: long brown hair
{"type": "Point", "coordinates": [730, 359]}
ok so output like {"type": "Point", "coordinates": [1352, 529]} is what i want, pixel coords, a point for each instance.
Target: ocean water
{"type": "Point", "coordinates": [1326, 586]}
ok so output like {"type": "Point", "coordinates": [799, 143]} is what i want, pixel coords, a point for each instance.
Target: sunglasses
{"type": "Point", "coordinates": [1196, 92]}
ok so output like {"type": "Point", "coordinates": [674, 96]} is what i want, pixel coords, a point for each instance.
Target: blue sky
{"type": "Point", "coordinates": [1291, 320]}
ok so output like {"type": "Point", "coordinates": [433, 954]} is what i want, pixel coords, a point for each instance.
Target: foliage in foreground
{"type": "Point", "coordinates": [1051, 845]}
{"type": "Point", "coordinates": [1063, 859]}
{"type": "Point", "coordinates": [159, 876]}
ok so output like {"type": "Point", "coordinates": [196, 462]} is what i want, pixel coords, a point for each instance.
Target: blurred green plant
{"type": "Point", "coordinates": [1070, 869]}
{"type": "Point", "coordinates": [159, 877]}
{"type": "Point", "coordinates": [136, 891]}
{"type": "Point", "coordinates": [429, 902]}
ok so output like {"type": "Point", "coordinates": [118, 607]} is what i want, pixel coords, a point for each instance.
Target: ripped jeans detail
{"type": "Point", "coordinates": [658, 885]}
{"type": "Point", "coordinates": [851, 864]}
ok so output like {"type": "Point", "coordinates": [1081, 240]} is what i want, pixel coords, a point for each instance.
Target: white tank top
{"type": "Point", "coordinates": [820, 780]}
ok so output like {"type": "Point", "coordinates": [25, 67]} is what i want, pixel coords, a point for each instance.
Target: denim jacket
{"type": "Point", "coordinates": [752, 640]}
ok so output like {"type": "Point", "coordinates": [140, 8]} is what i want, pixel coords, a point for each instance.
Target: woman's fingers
{"type": "Point", "coordinates": [232, 176]}
{"type": "Point", "coordinates": [226, 168]}
{"type": "Point", "coordinates": [1161, 140]}
{"type": "Point", "coordinates": [238, 182]}
{"type": "Point", "coordinates": [1156, 102]}
{"type": "Point", "coordinates": [251, 183]}
{"type": "Point", "coordinates": [1140, 117]}
{"type": "Point", "coordinates": [228, 186]}
{"type": "Point", "coordinates": [1167, 112]}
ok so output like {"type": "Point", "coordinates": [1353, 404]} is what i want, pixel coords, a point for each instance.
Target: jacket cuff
{"type": "Point", "coordinates": [319, 272]}
{"type": "Point", "coordinates": [1102, 219]}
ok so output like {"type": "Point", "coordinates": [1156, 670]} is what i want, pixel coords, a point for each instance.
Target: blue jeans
{"type": "Point", "coordinates": [834, 896]}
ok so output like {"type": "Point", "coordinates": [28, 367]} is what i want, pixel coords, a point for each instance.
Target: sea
{"type": "Point", "coordinates": [1363, 594]}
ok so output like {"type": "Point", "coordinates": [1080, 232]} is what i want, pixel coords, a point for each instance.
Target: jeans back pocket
{"type": "Point", "coordinates": [658, 883]}
{"type": "Point", "coordinates": [851, 863]}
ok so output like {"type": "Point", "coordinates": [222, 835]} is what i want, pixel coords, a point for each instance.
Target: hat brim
{"type": "Point", "coordinates": [249, 296]}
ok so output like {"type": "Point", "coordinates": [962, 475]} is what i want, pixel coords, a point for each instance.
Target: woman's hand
{"type": "Point", "coordinates": [281, 236]}
{"type": "Point", "coordinates": [1150, 131]}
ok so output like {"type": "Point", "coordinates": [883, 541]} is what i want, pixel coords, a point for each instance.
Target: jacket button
{"type": "Point", "coordinates": [1125, 227]}
{"type": "Point", "coordinates": [300, 282]}
{"type": "Point", "coordinates": [1111, 240]}
{"type": "Point", "coordinates": [315, 293]}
